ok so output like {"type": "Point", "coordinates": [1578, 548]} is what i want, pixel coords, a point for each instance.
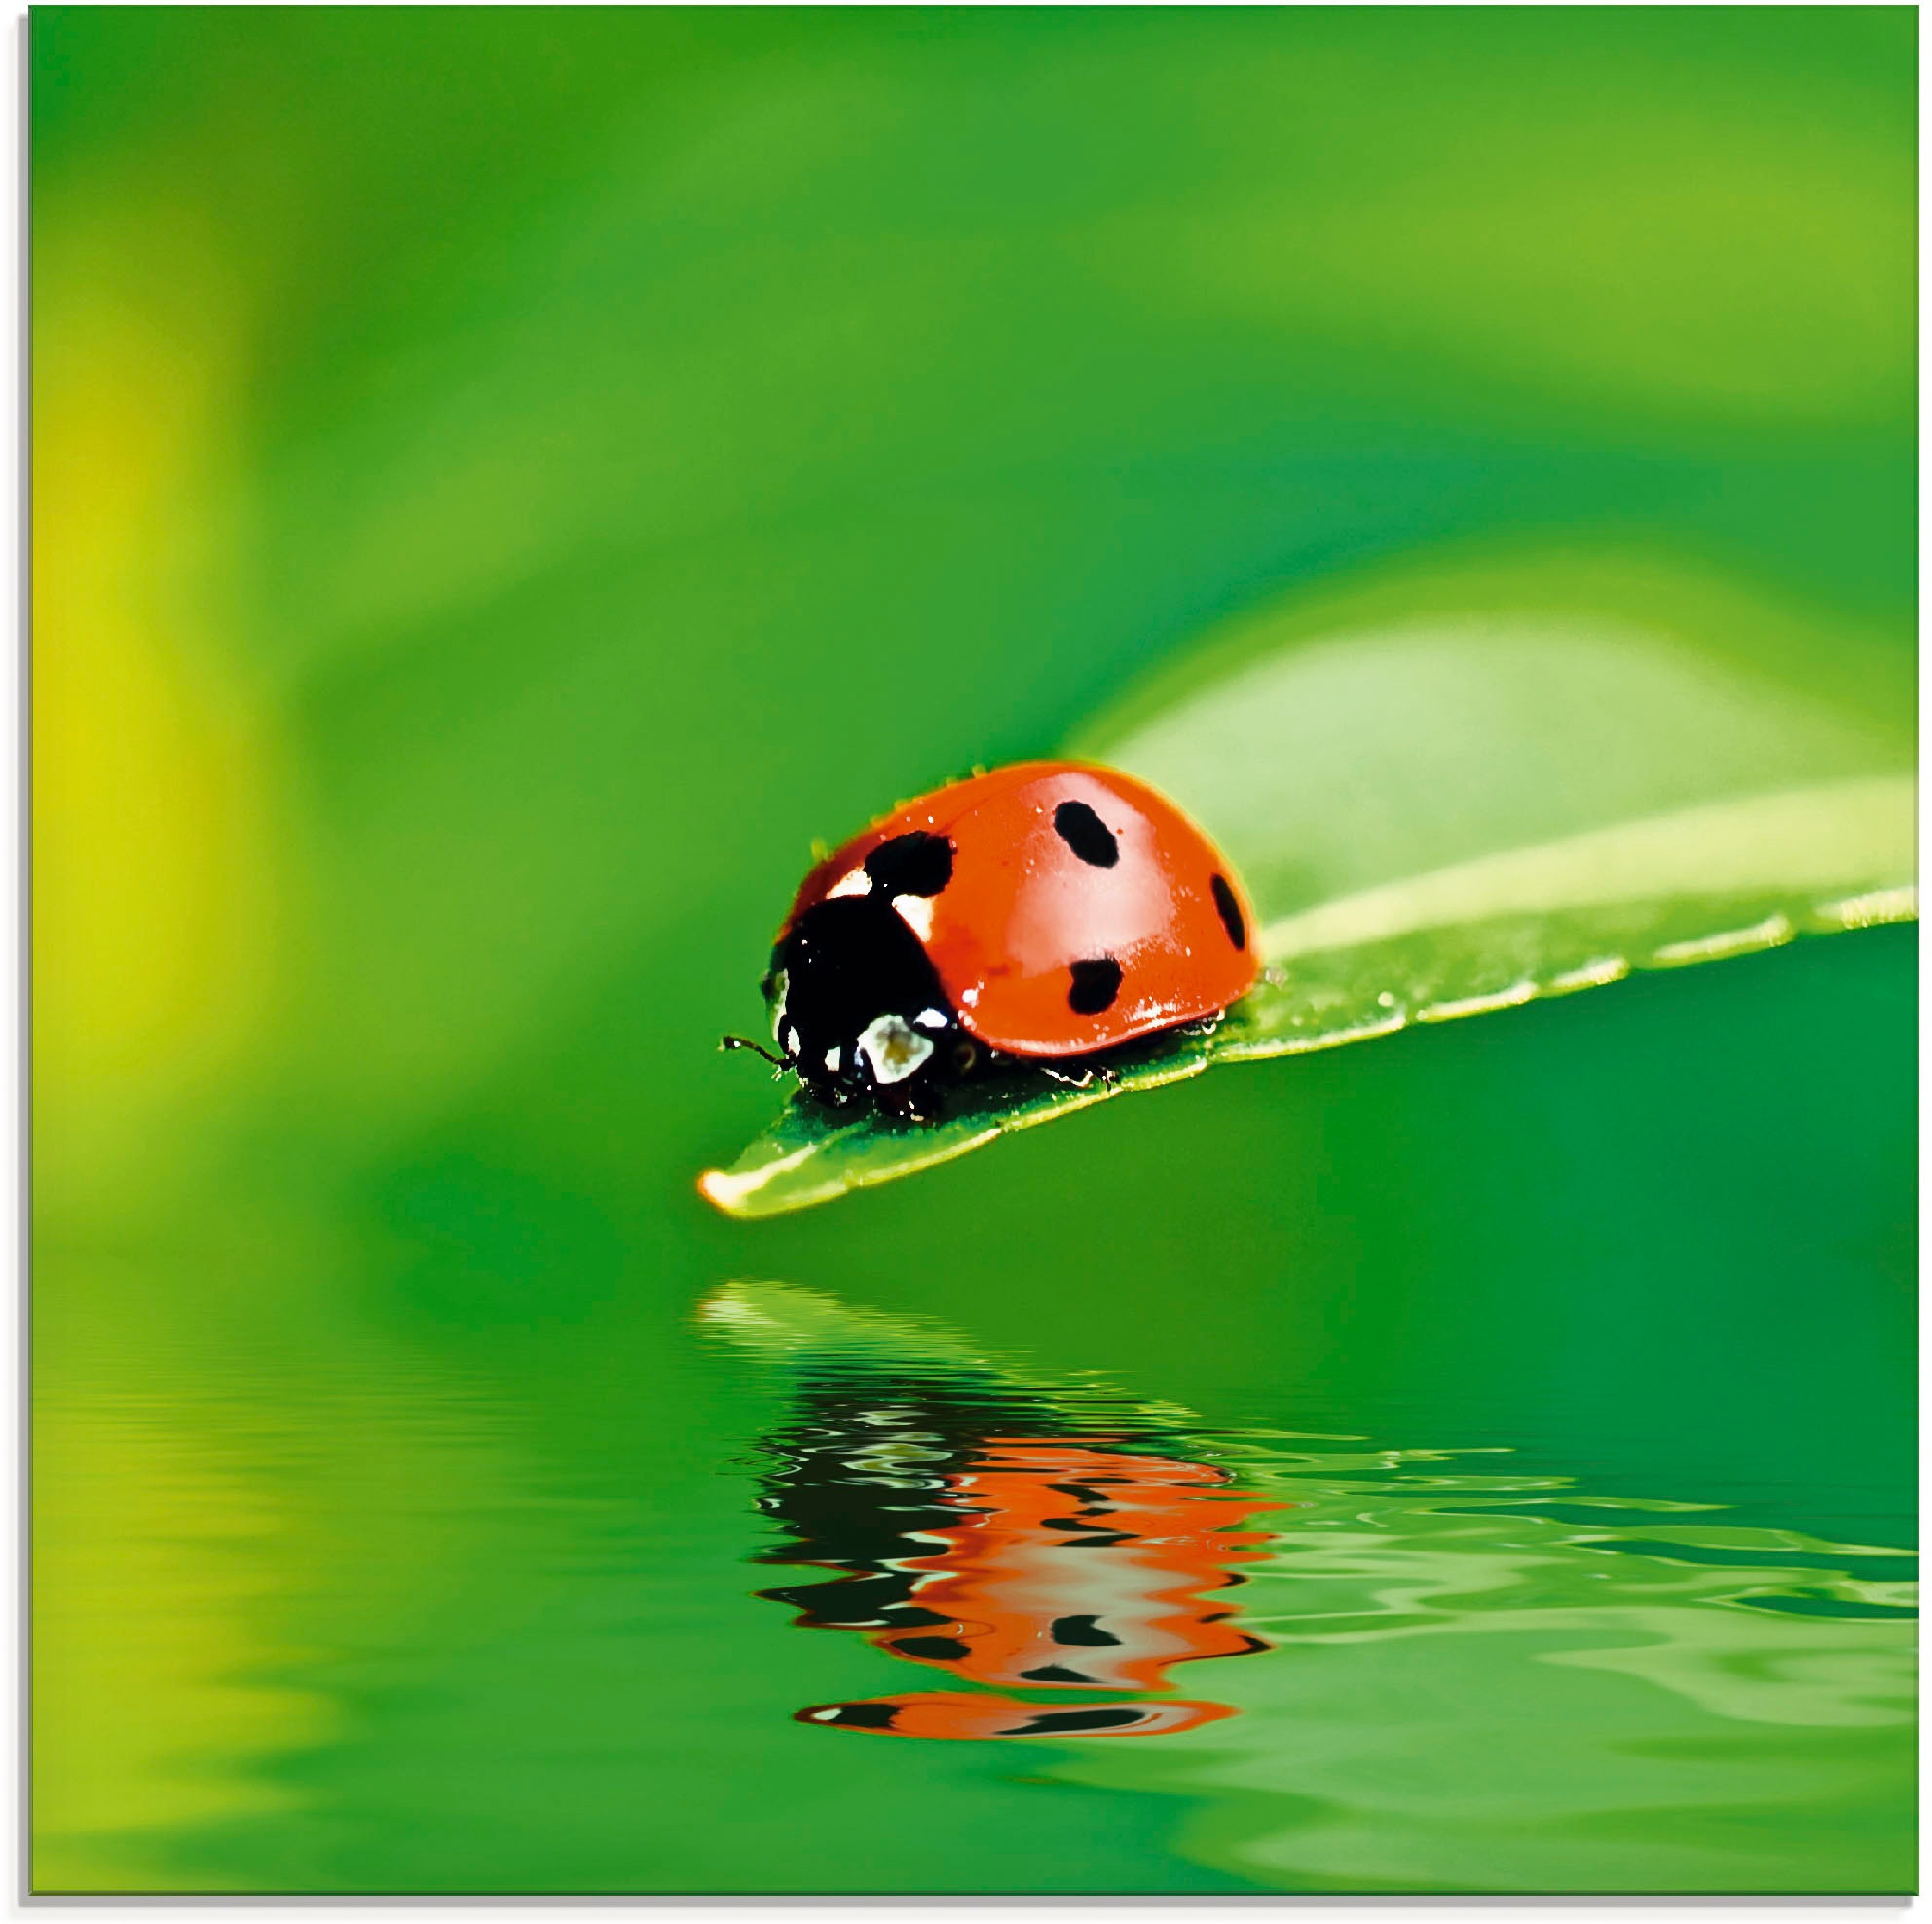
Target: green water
{"type": "Point", "coordinates": [505, 481]}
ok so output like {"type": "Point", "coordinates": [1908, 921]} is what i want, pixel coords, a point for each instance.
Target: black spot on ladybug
{"type": "Point", "coordinates": [1094, 1538]}
{"type": "Point", "coordinates": [1224, 901]}
{"type": "Point", "coordinates": [940, 1650]}
{"type": "Point", "coordinates": [1055, 1673]}
{"type": "Point", "coordinates": [1086, 835]}
{"type": "Point", "coordinates": [918, 864]}
{"type": "Point", "coordinates": [1083, 1631]}
{"type": "Point", "coordinates": [1095, 983]}
{"type": "Point", "coordinates": [1079, 1491]}
{"type": "Point", "coordinates": [1109, 1717]}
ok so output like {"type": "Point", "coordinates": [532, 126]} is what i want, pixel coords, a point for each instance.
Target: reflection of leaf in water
{"type": "Point", "coordinates": [1464, 791]}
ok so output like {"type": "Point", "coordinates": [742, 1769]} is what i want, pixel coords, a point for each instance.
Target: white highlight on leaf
{"type": "Point", "coordinates": [1511, 997]}
{"type": "Point", "coordinates": [1874, 910]}
{"type": "Point", "coordinates": [893, 1048]}
{"type": "Point", "coordinates": [1767, 934]}
{"type": "Point", "coordinates": [1600, 974]}
{"type": "Point", "coordinates": [1791, 839]}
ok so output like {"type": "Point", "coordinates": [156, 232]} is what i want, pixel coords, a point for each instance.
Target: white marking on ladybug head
{"type": "Point", "coordinates": [790, 1040]}
{"type": "Point", "coordinates": [858, 882]}
{"type": "Point", "coordinates": [893, 1049]}
{"type": "Point", "coordinates": [916, 912]}
{"type": "Point", "coordinates": [833, 1058]}
{"type": "Point", "coordinates": [931, 1019]}
{"type": "Point", "coordinates": [780, 988]}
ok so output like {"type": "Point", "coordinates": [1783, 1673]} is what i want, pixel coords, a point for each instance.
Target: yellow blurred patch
{"type": "Point", "coordinates": [152, 892]}
{"type": "Point", "coordinates": [151, 1589]}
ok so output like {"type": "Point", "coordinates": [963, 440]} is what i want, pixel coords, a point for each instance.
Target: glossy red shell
{"type": "Point", "coordinates": [1022, 907]}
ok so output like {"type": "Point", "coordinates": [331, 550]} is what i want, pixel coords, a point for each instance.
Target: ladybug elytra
{"type": "Point", "coordinates": [1043, 913]}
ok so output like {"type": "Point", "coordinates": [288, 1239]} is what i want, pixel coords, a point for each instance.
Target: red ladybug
{"type": "Point", "coordinates": [1040, 913]}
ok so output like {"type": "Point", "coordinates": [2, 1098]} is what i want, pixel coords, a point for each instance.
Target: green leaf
{"type": "Point", "coordinates": [1465, 789]}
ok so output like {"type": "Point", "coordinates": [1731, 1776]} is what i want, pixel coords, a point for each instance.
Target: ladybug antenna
{"type": "Point", "coordinates": [727, 1043]}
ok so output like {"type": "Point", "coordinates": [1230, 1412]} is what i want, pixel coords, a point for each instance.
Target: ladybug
{"type": "Point", "coordinates": [1040, 915]}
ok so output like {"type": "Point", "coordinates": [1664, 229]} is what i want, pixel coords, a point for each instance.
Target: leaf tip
{"type": "Point", "coordinates": [736, 1191]}
{"type": "Point", "coordinates": [726, 1192]}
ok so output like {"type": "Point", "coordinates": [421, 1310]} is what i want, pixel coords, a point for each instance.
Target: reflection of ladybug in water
{"type": "Point", "coordinates": [1043, 912]}
{"type": "Point", "coordinates": [956, 1714]}
{"type": "Point", "coordinates": [1062, 1564]}
{"type": "Point", "coordinates": [1036, 1563]}
{"type": "Point", "coordinates": [1033, 1516]}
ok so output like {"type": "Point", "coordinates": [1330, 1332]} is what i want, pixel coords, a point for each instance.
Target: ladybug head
{"type": "Point", "coordinates": [856, 1004]}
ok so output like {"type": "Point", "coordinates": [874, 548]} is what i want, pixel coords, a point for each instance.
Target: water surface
{"type": "Point", "coordinates": [1537, 1522]}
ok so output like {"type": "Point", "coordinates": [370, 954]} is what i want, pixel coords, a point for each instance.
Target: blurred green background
{"type": "Point", "coordinates": [505, 482]}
